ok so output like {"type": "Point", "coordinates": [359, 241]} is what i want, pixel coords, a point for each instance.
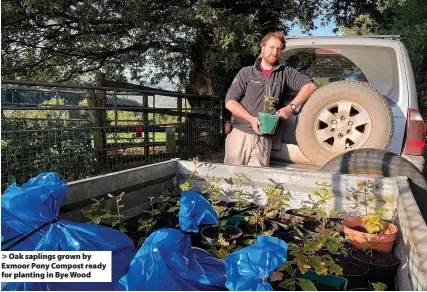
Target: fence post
{"type": "Point", "coordinates": [146, 131]}
{"type": "Point", "coordinates": [94, 119]}
{"type": "Point", "coordinates": [98, 118]}
{"type": "Point", "coordinates": [180, 130]}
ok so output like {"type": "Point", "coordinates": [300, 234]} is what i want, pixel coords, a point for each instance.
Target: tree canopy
{"type": "Point", "coordinates": [194, 43]}
{"type": "Point", "coordinates": [197, 44]}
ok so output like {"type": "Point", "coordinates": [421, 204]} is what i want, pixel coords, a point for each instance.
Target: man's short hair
{"type": "Point", "coordinates": [278, 35]}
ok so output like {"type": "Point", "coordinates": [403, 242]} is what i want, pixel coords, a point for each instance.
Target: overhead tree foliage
{"type": "Point", "coordinates": [198, 44]}
{"type": "Point", "coordinates": [406, 18]}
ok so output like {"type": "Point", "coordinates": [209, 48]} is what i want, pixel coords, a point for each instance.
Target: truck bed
{"type": "Point", "coordinates": [146, 181]}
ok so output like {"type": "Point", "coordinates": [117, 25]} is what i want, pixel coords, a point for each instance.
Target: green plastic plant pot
{"type": "Point", "coordinates": [268, 123]}
{"type": "Point", "coordinates": [329, 280]}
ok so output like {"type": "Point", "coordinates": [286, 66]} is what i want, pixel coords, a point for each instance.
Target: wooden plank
{"type": "Point", "coordinates": [115, 182]}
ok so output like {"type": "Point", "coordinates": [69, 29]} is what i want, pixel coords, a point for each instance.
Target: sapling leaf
{"type": "Point", "coordinates": [379, 286]}
{"type": "Point", "coordinates": [288, 284]}
{"type": "Point", "coordinates": [306, 284]}
{"type": "Point", "coordinates": [248, 241]}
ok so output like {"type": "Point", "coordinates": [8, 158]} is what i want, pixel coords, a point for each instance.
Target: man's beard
{"type": "Point", "coordinates": [271, 59]}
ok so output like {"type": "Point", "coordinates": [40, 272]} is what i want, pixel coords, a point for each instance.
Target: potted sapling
{"type": "Point", "coordinates": [322, 217]}
{"type": "Point", "coordinates": [258, 223]}
{"type": "Point", "coordinates": [240, 197]}
{"type": "Point", "coordinates": [310, 266]}
{"type": "Point", "coordinates": [268, 118]}
{"type": "Point", "coordinates": [370, 231]}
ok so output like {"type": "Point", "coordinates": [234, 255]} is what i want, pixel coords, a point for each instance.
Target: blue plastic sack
{"type": "Point", "coordinates": [167, 262]}
{"type": "Point", "coordinates": [195, 210]}
{"type": "Point", "coordinates": [249, 267]}
{"type": "Point", "coordinates": [26, 208]}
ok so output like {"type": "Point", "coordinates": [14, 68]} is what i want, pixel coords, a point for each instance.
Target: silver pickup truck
{"type": "Point", "coordinates": [364, 117]}
{"type": "Point", "coordinates": [366, 99]}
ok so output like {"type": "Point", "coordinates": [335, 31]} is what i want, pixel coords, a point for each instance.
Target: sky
{"type": "Point", "coordinates": [320, 31]}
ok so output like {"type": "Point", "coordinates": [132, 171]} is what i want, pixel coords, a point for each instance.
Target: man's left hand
{"type": "Point", "coordinates": [284, 113]}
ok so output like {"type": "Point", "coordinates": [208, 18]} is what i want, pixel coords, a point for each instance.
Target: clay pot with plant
{"type": "Point", "coordinates": [268, 118]}
{"type": "Point", "coordinates": [370, 231]}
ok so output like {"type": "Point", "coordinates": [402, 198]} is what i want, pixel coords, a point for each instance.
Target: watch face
{"type": "Point", "coordinates": [293, 106]}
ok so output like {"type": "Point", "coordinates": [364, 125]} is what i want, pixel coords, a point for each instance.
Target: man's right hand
{"type": "Point", "coordinates": [255, 124]}
{"type": "Point", "coordinates": [238, 110]}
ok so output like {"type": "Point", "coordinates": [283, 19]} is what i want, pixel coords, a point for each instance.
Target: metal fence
{"type": "Point", "coordinates": [81, 131]}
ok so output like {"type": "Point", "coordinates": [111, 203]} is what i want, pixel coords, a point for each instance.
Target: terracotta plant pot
{"type": "Point", "coordinates": [359, 239]}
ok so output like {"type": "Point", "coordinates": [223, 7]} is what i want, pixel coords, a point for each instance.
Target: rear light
{"type": "Point", "coordinates": [415, 133]}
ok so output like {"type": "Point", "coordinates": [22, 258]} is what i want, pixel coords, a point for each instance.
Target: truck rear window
{"type": "Point", "coordinates": [375, 65]}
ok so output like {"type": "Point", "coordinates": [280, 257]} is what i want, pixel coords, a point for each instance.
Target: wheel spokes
{"type": "Point", "coordinates": [344, 109]}
{"type": "Point", "coordinates": [339, 145]}
{"type": "Point", "coordinates": [360, 119]}
{"type": "Point", "coordinates": [326, 116]}
{"type": "Point", "coordinates": [324, 134]}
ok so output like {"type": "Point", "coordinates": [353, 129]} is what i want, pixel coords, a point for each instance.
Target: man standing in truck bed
{"type": "Point", "coordinates": [245, 145]}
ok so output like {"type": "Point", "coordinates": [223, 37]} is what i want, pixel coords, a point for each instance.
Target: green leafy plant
{"type": "Point", "coordinates": [146, 225]}
{"type": "Point", "coordinates": [379, 286]}
{"type": "Point", "coordinates": [323, 196]}
{"type": "Point", "coordinates": [269, 104]}
{"type": "Point", "coordinates": [222, 248]}
{"type": "Point", "coordinates": [153, 211]}
{"type": "Point", "coordinates": [372, 221]}
{"type": "Point", "coordinates": [119, 216]}
{"type": "Point", "coordinates": [213, 187]}
{"type": "Point", "coordinates": [175, 209]}
{"type": "Point", "coordinates": [277, 198]}
{"type": "Point", "coordinates": [307, 210]}
{"type": "Point", "coordinates": [238, 193]}
{"type": "Point", "coordinates": [360, 195]}
{"type": "Point", "coordinates": [188, 185]}
{"type": "Point", "coordinates": [258, 218]}
{"type": "Point", "coordinates": [312, 254]}
{"type": "Point", "coordinates": [96, 212]}
{"type": "Point", "coordinates": [166, 202]}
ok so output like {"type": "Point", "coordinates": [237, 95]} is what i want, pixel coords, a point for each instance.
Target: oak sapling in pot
{"type": "Point", "coordinates": [239, 195]}
{"type": "Point", "coordinates": [370, 231]}
{"type": "Point", "coordinates": [214, 190]}
{"type": "Point", "coordinates": [188, 184]}
{"type": "Point", "coordinates": [268, 118]}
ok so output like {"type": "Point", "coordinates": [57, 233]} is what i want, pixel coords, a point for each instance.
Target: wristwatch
{"type": "Point", "coordinates": [293, 108]}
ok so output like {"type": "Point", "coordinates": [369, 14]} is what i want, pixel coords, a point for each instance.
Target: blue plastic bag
{"type": "Point", "coordinates": [167, 262]}
{"type": "Point", "coordinates": [248, 269]}
{"type": "Point", "coordinates": [195, 210]}
{"type": "Point", "coordinates": [37, 202]}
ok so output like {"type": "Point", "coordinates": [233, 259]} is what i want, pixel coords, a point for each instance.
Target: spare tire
{"type": "Point", "coordinates": [382, 163]}
{"type": "Point", "coordinates": [343, 116]}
